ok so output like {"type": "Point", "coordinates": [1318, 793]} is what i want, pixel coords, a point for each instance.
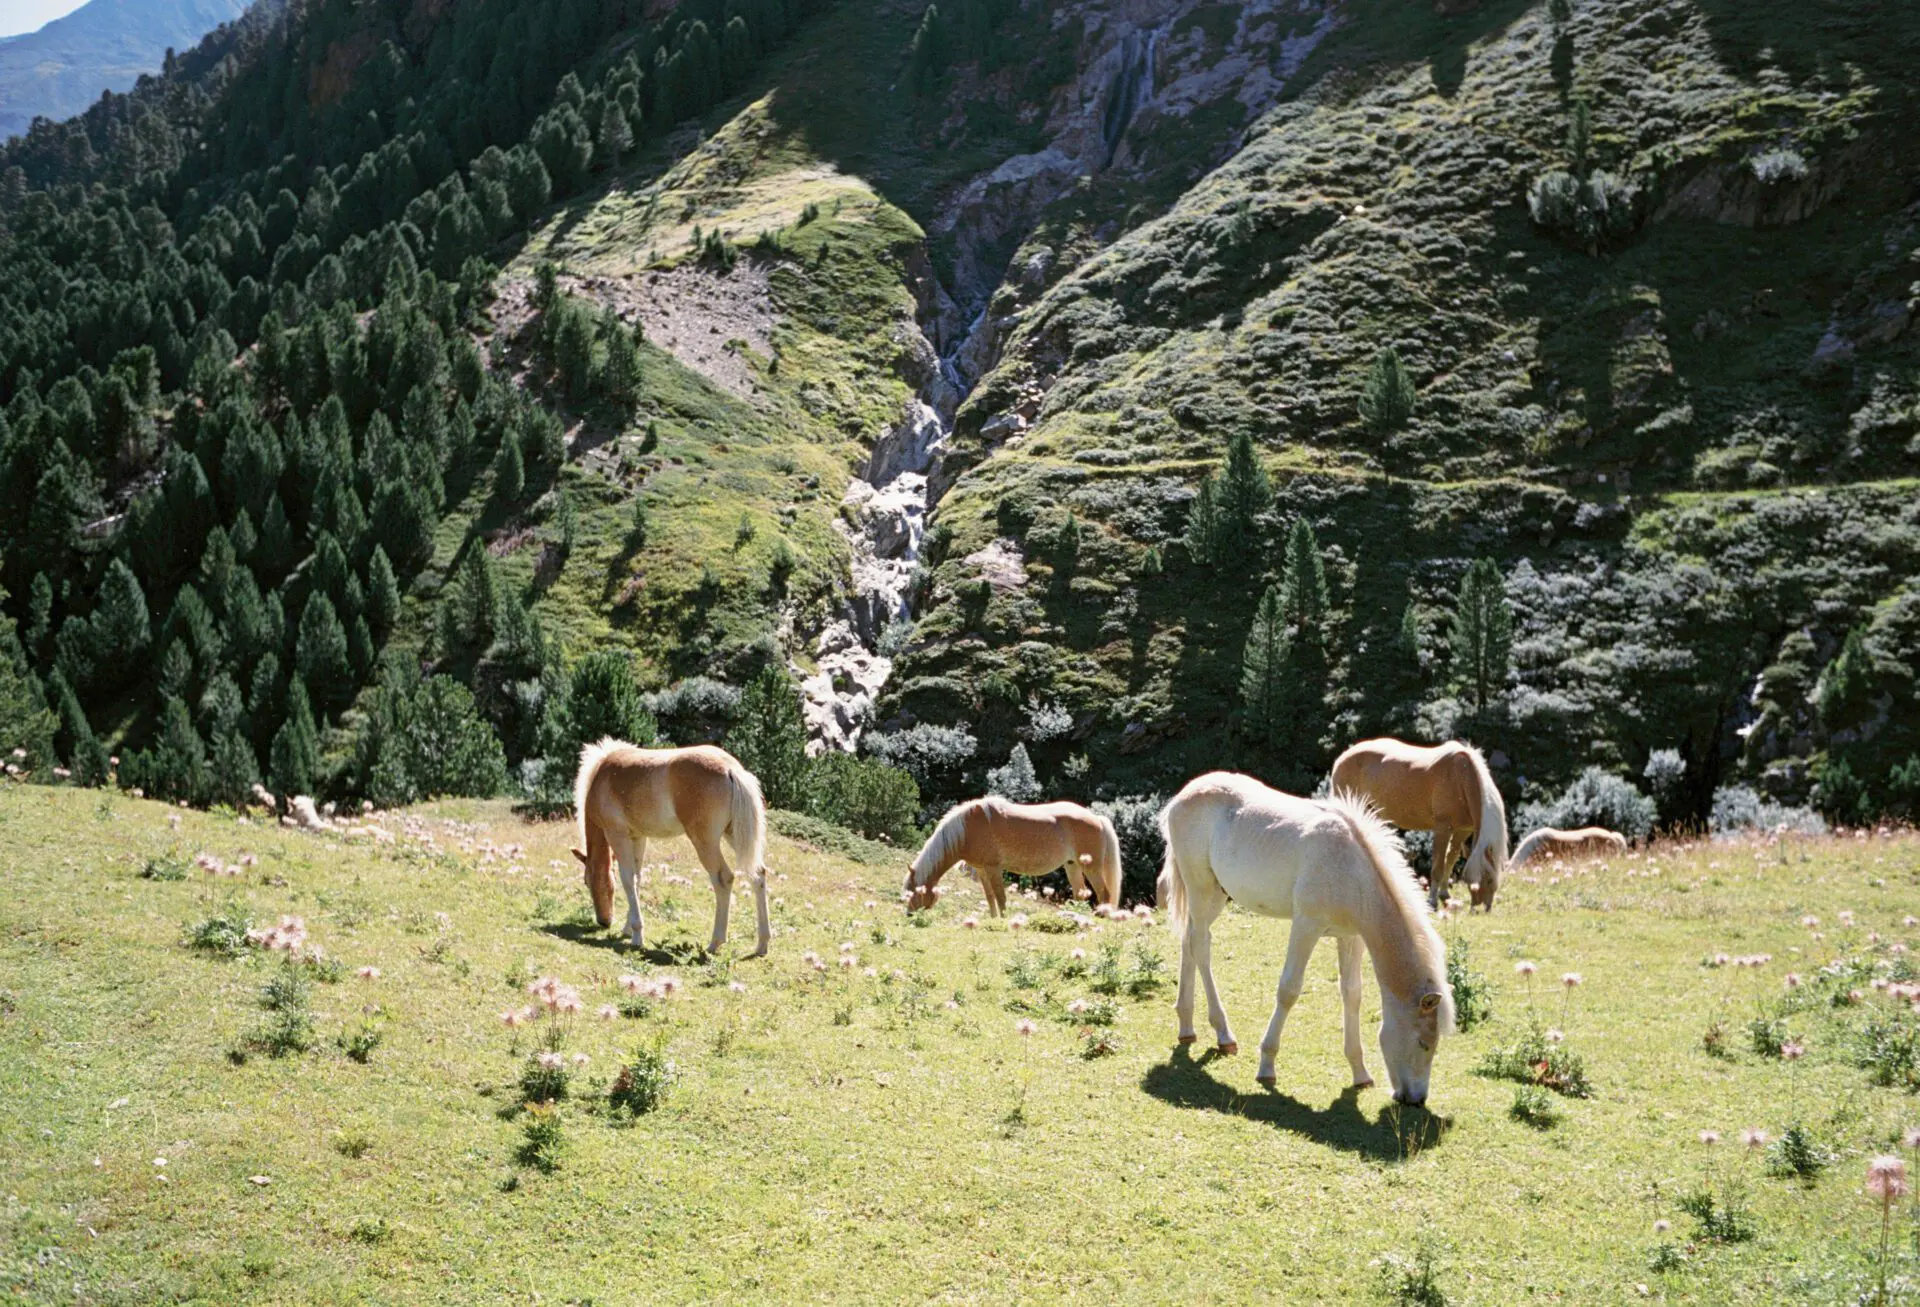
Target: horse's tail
{"type": "Point", "coordinates": [590, 759]}
{"type": "Point", "coordinates": [1489, 849]}
{"type": "Point", "coordinates": [747, 821]}
{"type": "Point", "coordinates": [1170, 889]}
{"type": "Point", "coordinates": [1110, 857]}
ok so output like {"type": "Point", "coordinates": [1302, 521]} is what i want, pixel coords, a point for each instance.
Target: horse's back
{"type": "Point", "coordinates": [655, 793]}
{"type": "Point", "coordinates": [1256, 841]}
{"type": "Point", "coordinates": [1414, 786]}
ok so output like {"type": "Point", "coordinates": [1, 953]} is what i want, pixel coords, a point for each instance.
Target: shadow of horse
{"type": "Point", "coordinates": [678, 952]}
{"type": "Point", "coordinates": [1396, 1134]}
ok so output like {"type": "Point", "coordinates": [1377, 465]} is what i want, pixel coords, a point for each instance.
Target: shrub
{"type": "Point", "coordinates": [224, 934]}
{"type": "Point", "coordinates": [545, 1078]}
{"type": "Point", "coordinates": [1797, 1154]}
{"type": "Point", "coordinates": [1666, 776]}
{"type": "Point", "coordinates": [935, 756]}
{"type": "Point", "coordinates": [1601, 210]}
{"type": "Point", "coordinates": [1412, 1281]}
{"type": "Point", "coordinates": [359, 1042]}
{"type": "Point", "coordinates": [695, 710]}
{"type": "Point", "coordinates": [1888, 1049]}
{"type": "Point", "coordinates": [1533, 1105]}
{"type": "Point", "coordinates": [1595, 798]}
{"type": "Point", "coordinates": [286, 990]}
{"type": "Point", "coordinates": [1016, 780]}
{"type": "Point", "coordinates": [165, 866]}
{"type": "Point", "coordinates": [1098, 1043]}
{"type": "Point", "coordinates": [1532, 1060]}
{"type": "Point", "coordinates": [1723, 1218]}
{"type": "Point", "coordinates": [1766, 1035]}
{"type": "Point", "coordinates": [542, 1140]}
{"type": "Point", "coordinates": [863, 795]}
{"type": "Point", "coordinates": [289, 1030]}
{"type": "Point", "coordinates": [1472, 993]}
{"type": "Point", "coordinates": [1738, 808]}
{"type": "Point", "coordinates": [1775, 166]}
{"type": "Point", "coordinates": [1136, 821]}
{"type": "Point", "coordinates": [644, 1081]}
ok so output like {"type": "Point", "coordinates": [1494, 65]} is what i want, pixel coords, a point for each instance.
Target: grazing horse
{"type": "Point", "coordinates": [998, 838]}
{"type": "Point", "coordinates": [1587, 842]}
{"type": "Point", "coordinates": [1446, 789]}
{"type": "Point", "coordinates": [625, 796]}
{"type": "Point", "coordinates": [1333, 868]}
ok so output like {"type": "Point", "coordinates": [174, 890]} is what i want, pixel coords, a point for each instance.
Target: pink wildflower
{"type": "Point", "coordinates": [1792, 1051]}
{"type": "Point", "coordinates": [1753, 1136]}
{"type": "Point", "coordinates": [368, 973]}
{"type": "Point", "coordinates": [1887, 1179]}
{"type": "Point", "coordinates": [511, 1018]}
{"type": "Point", "coordinates": [1571, 979]}
{"type": "Point", "coordinates": [968, 923]}
{"type": "Point", "coordinates": [1078, 1006]}
{"type": "Point", "coordinates": [1709, 1136]}
{"type": "Point", "coordinates": [550, 1061]}
{"type": "Point", "coordinates": [606, 1012]}
{"type": "Point", "coordinates": [1525, 968]}
{"type": "Point", "coordinates": [1018, 921]}
{"type": "Point", "coordinates": [737, 986]}
{"type": "Point", "coordinates": [1024, 1027]}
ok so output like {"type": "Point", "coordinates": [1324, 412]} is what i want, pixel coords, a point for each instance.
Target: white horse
{"type": "Point", "coordinates": [1334, 868]}
{"type": "Point", "coordinates": [1587, 842]}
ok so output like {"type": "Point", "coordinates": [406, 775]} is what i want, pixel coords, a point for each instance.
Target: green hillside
{"type": "Point", "coordinates": [887, 348]}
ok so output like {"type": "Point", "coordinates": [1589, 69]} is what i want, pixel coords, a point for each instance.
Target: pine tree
{"type": "Point", "coordinates": [176, 767]}
{"type": "Point", "coordinates": [451, 748]}
{"type": "Point", "coordinates": [1580, 136]}
{"type": "Point", "coordinates": [295, 760]}
{"type": "Point", "coordinates": [603, 700]}
{"type": "Point", "coordinates": [1482, 634]}
{"type": "Point", "coordinates": [122, 629]}
{"type": "Point", "coordinates": [39, 615]}
{"type": "Point", "coordinates": [25, 720]}
{"type": "Point", "coordinates": [86, 756]}
{"type": "Point", "coordinates": [1304, 597]}
{"type": "Point", "coordinates": [1387, 395]}
{"type": "Point", "coordinates": [1844, 690]}
{"type": "Point", "coordinates": [1245, 496]}
{"type": "Point", "coordinates": [770, 737]}
{"type": "Point", "coordinates": [509, 471]}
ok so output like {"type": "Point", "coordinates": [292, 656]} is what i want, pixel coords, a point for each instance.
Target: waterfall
{"type": "Point", "coordinates": [884, 519]}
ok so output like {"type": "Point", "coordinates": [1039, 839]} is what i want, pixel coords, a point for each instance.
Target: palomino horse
{"type": "Point", "coordinates": [1587, 842]}
{"type": "Point", "coordinates": [625, 796]}
{"type": "Point", "coordinates": [1446, 789]}
{"type": "Point", "coordinates": [997, 838]}
{"type": "Point", "coordinates": [1334, 868]}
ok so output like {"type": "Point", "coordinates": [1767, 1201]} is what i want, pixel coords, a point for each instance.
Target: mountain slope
{"type": "Point", "coordinates": [104, 45]}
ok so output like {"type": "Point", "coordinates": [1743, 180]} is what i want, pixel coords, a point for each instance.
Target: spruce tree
{"type": "Point", "coordinates": [383, 593]}
{"type": "Point", "coordinates": [86, 756]}
{"type": "Point", "coordinates": [604, 700]}
{"type": "Point", "coordinates": [177, 765]}
{"type": "Point", "coordinates": [1203, 523]}
{"type": "Point", "coordinates": [1245, 496]}
{"type": "Point", "coordinates": [1264, 672]}
{"type": "Point", "coordinates": [39, 615]}
{"type": "Point", "coordinates": [295, 760]}
{"type": "Point", "coordinates": [321, 656]}
{"type": "Point", "coordinates": [233, 770]}
{"type": "Point", "coordinates": [770, 737]}
{"type": "Point", "coordinates": [509, 471]}
{"type": "Point", "coordinates": [25, 720]}
{"type": "Point", "coordinates": [122, 629]}
{"type": "Point", "coordinates": [1387, 395]}
{"type": "Point", "coordinates": [1482, 634]}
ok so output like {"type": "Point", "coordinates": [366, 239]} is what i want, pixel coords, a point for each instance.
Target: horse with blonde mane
{"type": "Point", "coordinates": [997, 838]}
{"type": "Point", "coordinates": [1446, 789]}
{"type": "Point", "coordinates": [1587, 842]}
{"type": "Point", "coordinates": [1333, 868]}
{"type": "Point", "coordinates": [624, 796]}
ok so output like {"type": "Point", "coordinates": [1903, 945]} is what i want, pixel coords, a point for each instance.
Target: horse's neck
{"type": "Point", "coordinates": [1394, 942]}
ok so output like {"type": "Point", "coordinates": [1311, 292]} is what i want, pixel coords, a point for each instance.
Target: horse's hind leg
{"type": "Point", "coordinates": [1351, 947]}
{"type": "Point", "coordinates": [763, 935]}
{"type": "Point", "coordinates": [631, 852]}
{"type": "Point", "coordinates": [1293, 977]}
{"type": "Point", "coordinates": [720, 876]}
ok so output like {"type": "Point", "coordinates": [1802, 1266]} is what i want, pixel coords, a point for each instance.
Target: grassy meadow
{"type": "Point", "coordinates": [877, 1129]}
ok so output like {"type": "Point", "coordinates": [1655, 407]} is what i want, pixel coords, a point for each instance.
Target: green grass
{"type": "Point", "coordinates": [836, 1135]}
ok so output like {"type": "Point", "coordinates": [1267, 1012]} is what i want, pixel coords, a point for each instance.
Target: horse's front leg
{"type": "Point", "coordinates": [1076, 878]}
{"type": "Point", "coordinates": [631, 853]}
{"type": "Point", "coordinates": [1440, 878]}
{"type": "Point", "coordinates": [1351, 948]}
{"type": "Point", "coordinates": [993, 884]}
{"type": "Point", "coordinates": [764, 933]}
{"type": "Point", "coordinates": [1293, 978]}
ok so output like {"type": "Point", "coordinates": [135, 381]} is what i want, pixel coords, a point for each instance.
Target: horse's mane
{"type": "Point", "coordinates": [1388, 856]}
{"type": "Point", "coordinates": [1529, 846]}
{"type": "Point", "coordinates": [950, 831]}
{"type": "Point", "coordinates": [590, 759]}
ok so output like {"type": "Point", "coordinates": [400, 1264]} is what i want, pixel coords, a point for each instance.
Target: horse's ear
{"type": "Point", "coordinates": [1429, 1003]}
{"type": "Point", "coordinates": [580, 855]}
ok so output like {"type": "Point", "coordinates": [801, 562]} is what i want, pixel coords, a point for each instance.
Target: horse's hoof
{"type": "Point", "coordinates": [1268, 1081]}
{"type": "Point", "coordinates": [1364, 1084]}
{"type": "Point", "coordinates": [1229, 1049]}
{"type": "Point", "coordinates": [1188, 1039]}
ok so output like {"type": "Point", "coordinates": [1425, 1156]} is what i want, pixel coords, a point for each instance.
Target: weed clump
{"type": "Point", "coordinates": [224, 934]}
{"type": "Point", "coordinates": [1533, 1105]}
{"type": "Point", "coordinates": [1536, 1059]}
{"type": "Point", "coordinates": [542, 1139]}
{"type": "Point", "coordinates": [1472, 993]}
{"type": "Point", "coordinates": [644, 1082]}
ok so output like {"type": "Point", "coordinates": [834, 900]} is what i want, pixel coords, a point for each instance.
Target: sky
{"type": "Point", "coordinates": [17, 16]}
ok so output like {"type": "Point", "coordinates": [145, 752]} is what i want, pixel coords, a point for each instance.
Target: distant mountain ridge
{"type": "Point", "coordinates": [105, 45]}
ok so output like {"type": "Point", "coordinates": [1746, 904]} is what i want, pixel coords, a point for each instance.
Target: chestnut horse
{"type": "Point", "coordinates": [997, 837]}
{"type": "Point", "coordinates": [625, 796]}
{"type": "Point", "coordinates": [1446, 789]}
{"type": "Point", "coordinates": [1333, 868]}
{"type": "Point", "coordinates": [1587, 842]}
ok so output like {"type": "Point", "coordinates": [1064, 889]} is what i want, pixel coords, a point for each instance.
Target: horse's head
{"type": "Point", "coordinates": [920, 897]}
{"type": "Point", "coordinates": [1410, 1031]}
{"type": "Point", "coordinates": [599, 869]}
{"type": "Point", "coordinates": [1482, 891]}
